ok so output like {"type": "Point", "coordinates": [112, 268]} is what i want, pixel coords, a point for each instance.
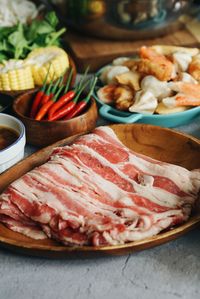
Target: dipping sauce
{"type": "Point", "coordinates": [7, 137]}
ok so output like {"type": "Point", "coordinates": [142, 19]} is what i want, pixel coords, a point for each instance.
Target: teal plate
{"type": "Point", "coordinates": [169, 120]}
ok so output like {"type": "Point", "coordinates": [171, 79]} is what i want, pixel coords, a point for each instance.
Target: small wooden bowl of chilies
{"type": "Point", "coordinates": [43, 132]}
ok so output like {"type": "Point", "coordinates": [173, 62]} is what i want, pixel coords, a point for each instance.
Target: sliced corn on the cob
{"type": "Point", "coordinates": [15, 75]}
{"type": "Point", "coordinates": [52, 58]}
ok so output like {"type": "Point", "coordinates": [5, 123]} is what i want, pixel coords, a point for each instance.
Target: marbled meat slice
{"type": "Point", "coordinates": [97, 191]}
{"type": "Point", "coordinates": [14, 219]}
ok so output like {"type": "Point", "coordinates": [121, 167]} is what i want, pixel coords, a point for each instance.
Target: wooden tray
{"type": "Point", "coordinates": [97, 52]}
{"type": "Point", "coordinates": [159, 143]}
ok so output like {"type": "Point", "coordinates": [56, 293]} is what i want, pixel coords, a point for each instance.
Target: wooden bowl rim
{"type": "Point", "coordinates": [22, 116]}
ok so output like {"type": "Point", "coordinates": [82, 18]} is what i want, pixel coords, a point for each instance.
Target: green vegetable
{"type": "Point", "coordinates": [17, 41]}
{"type": "Point", "coordinates": [2, 57]}
{"type": "Point", "coordinates": [52, 19]}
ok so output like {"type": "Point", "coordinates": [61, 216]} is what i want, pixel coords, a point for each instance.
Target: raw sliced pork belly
{"type": "Point", "coordinates": [18, 222]}
{"type": "Point", "coordinates": [96, 192]}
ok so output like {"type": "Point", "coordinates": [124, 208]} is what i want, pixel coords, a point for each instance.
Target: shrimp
{"type": "Point", "coordinates": [155, 64]}
{"type": "Point", "coordinates": [194, 68]}
{"type": "Point", "coordinates": [180, 100]}
{"type": "Point", "coordinates": [189, 89]}
{"type": "Point", "coordinates": [185, 100]}
{"type": "Point", "coordinates": [187, 95]}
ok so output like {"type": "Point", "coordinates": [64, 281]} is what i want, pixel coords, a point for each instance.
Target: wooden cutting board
{"type": "Point", "coordinates": [97, 52]}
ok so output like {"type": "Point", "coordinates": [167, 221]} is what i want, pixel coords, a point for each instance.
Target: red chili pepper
{"type": "Point", "coordinates": [38, 97]}
{"type": "Point", "coordinates": [63, 111]}
{"type": "Point", "coordinates": [51, 91]}
{"type": "Point", "coordinates": [77, 110]}
{"type": "Point", "coordinates": [82, 104]}
{"type": "Point", "coordinates": [36, 102]}
{"type": "Point", "coordinates": [44, 109]}
{"type": "Point", "coordinates": [46, 97]}
{"type": "Point", "coordinates": [67, 96]}
{"type": "Point", "coordinates": [61, 102]}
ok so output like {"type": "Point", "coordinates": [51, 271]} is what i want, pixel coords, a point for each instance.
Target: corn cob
{"type": "Point", "coordinates": [14, 75]}
{"type": "Point", "coordinates": [40, 59]}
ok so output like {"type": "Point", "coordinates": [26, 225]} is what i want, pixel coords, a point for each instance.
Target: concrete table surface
{"type": "Point", "coordinates": [169, 271]}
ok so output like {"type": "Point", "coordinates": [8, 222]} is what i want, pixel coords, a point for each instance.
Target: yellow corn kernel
{"type": "Point", "coordinates": [52, 59]}
{"type": "Point", "coordinates": [17, 79]}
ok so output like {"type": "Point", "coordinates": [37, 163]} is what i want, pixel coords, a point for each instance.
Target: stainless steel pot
{"type": "Point", "coordinates": [125, 19]}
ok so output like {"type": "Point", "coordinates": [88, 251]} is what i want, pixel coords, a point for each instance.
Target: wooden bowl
{"type": "Point", "coordinates": [43, 133]}
{"type": "Point", "coordinates": [156, 142]}
{"type": "Point", "coordinates": [16, 93]}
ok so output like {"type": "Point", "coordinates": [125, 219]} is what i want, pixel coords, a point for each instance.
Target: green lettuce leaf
{"type": "Point", "coordinates": [52, 19]}
{"type": "Point", "coordinates": [17, 41]}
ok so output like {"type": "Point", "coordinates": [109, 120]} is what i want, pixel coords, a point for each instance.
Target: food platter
{"type": "Point", "coordinates": [122, 90]}
{"type": "Point", "coordinates": [156, 142]}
